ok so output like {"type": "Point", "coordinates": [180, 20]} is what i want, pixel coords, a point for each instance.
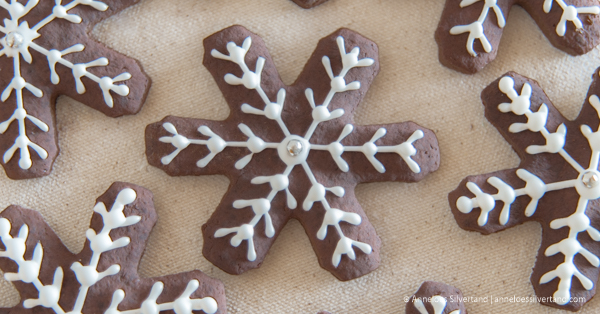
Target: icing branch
{"type": "Point", "coordinates": [215, 144]}
{"type": "Point", "coordinates": [79, 70]}
{"type": "Point", "coordinates": [251, 80]}
{"type": "Point", "coordinates": [333, 217]}
{"type": "Point", "coordinates": [261, 208]}
{"type": "Point", "coordinates": [88, 276]}
{"type": "Point", "coordinates": [593, 137]}
{"type": "Point", "coordinates": [475, 29]}
{"type": "Point", "coordinates": [437, 302]}
{"type": "Point", "coordinates": [183, 304]}
{"type": "Point", "coordinates": [22, 142]}
{"type": "Point", "coordinates": [570, 13]}
{"type": "Point", "coordinates": [338, 85]}
{"type": "Point", "coordinates": [536, 122]}
{"type": "Point", "coordinates": [60, 11]}
{"type": "Point", "coordinates": [570, 247]}
{"type": "Point", "coordinates": [406, 150]}
{"type": "Point", "coordinates": [535, 188]}
{"type": "Point", "coordinates": [16, 9]}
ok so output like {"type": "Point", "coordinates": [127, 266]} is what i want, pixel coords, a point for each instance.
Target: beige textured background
{"type": "Point", "coordinates": [421, 240]}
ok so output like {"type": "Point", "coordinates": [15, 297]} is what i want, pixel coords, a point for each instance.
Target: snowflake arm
{"type": "Point", "coordinates": [100, 243]}
{"type": "Point", "coordinates": [251, 80]}
{"type": "Point", "coordinates": [570, 14]}
{"type": "Point", "coordinates": [183, 304]}
{"type": "Point", "coordinates": [350, 60]}
{"type": "Point", "coordinates": [61, 12]}
{"type": "Point", "coordinates": [405, 150]}
{"type": "Point", "coordinates": [333, 217]}
{"type": "Point", "coordinates": [475, 29]}
{"type": "Point", "coordinates": [16, 9]}
{"type": "Point", "coordinates": [457, 26]}
{"type": "Point", "coordinates": [214, 143]}
{"type": "Point", "coordinates": [261, 208]}
{"type": "Point", "coordinates": [579, 182]}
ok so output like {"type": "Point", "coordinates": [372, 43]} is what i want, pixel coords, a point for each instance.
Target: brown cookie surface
{"type": "Point", "coordinates": [307, 4]}
{"type": "Point", "coordinates": [469, 31]}
{"type": "Point", "coordinates": [292, 152]}
{"type": "Point", "coordinates": [436, 298]}
{"type": "Point", "coordinates": [47, 53]}
{"type": "Point", "coordinates": [557, 184]}
{"type": "Point", "coordinates": [103, 277]}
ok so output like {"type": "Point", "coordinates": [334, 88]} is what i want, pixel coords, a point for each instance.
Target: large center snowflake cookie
{"type": "Point", "coordinates": [292, 152]}
{"type": "Point", "coordinates": [556, 184]}
{"type": "Point", "coordinates": [103, 277]}
{"type": "Point", "coordinates": [469, 31]}
{"type": "Point", "coordinates": [45, 52]}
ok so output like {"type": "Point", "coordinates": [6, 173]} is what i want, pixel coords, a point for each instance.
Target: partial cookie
{"type": "Point", "coordinates": [436, 298]}
{"type": "Point", "coordinates": [102, 278]}
{"type": "Point", "coordinates": [46, 52]}
{"type": "Point", "coordinates": [307, 4]}
{"type": "Point", "coordinates": [557, 184]}
{"type": "Point", "coordinates": [470, 30]}
{"type": "Point", "coordinates": [292, 152]}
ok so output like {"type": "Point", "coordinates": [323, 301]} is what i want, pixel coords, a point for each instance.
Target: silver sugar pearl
{"type": "Point", "coordinates": [294, 147]}
{"type": "Point", "coordinates": [590, 179]}
{"type": "Point", "coordinates": [14, 40]}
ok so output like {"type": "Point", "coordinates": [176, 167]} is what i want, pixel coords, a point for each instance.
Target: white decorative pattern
{"type": "Point", "coordinates": [476, 30]}
{"type": "Point", "coordinates": [437, 302]}
{"type": "Point", "coordinates": [17, 40]}
{"type": "Point", "coordinates": [293, 150]}
{"type": "Point", "coordinates": [87, 276]}
{"type": "Point", "coordinates": [587, 185]}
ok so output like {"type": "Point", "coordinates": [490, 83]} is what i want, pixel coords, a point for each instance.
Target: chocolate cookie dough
{"type": "Point", "coordinates": [436, 298]}
{"type": "Point", "coordinates": [46, 52]}
{"type": "Point", "coordinates": [307, 4]}
{"type": "Point", "coordinates": [469, 31]}
{"type": "Point", "coordinates": [556, 184]}
{"type": "Point", "coordinates": [103, 277]}
{"type": "Point", "coordinates": [292, 152]}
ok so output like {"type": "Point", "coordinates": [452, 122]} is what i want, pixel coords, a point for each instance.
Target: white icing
{"type": "Point", "coordinates": [289, 159]}
{"type": "Point", "coordinates": [587, 185]}
{"type": "Point", "coordinates": [49, 295]}
{"type": "Point", "coordinates": [536, 122]}
{"type": "Point", "coordinates": [437, 302]}
{"type": "Point", "coordinates": [294, 149]}
{"type": "Point", "coordinates": [476, 29]}
{"type": "Point", "coordinates": [18, 39]}
{"type": "Point", "coordinates": [570, 14]}
{"type": "Point", "coordinates": [182, 305]}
